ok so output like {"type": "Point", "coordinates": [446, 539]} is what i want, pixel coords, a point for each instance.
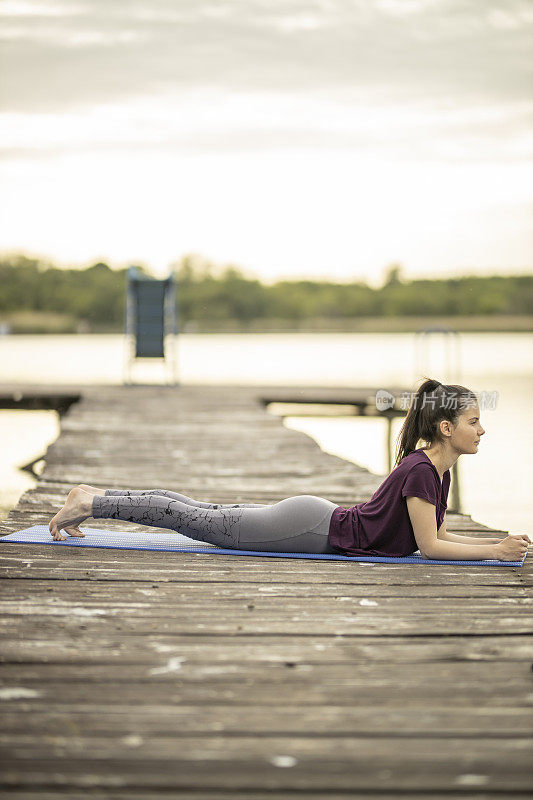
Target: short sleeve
{"type": "Point", "coordinates": [420, 482]}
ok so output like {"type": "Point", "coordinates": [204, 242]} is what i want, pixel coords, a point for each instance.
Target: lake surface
{"type": "Point", "coordinates": [495, 483]}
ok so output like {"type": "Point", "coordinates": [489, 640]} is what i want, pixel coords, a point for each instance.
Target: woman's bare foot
{"type": "Point", "coordinates": [91, 489]}
{"type": "Point", "coordinates": [77, 508]}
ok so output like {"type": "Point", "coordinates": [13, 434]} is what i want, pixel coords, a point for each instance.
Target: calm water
{"type": "Point", "coordinates": [495, 483]}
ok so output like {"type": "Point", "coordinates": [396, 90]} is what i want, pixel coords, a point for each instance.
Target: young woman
{"type": "Point", "coordinates": [405, 514]}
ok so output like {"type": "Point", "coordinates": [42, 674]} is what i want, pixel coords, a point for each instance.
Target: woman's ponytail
{"type": "Point", "coordinates": [432, 403]}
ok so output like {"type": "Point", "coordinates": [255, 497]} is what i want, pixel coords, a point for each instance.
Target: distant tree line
{"type": "Point", "coordinates": [207, 292]}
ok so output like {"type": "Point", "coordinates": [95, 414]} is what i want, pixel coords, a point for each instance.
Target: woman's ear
{"type": "Point", "coordinates": [446, 427]}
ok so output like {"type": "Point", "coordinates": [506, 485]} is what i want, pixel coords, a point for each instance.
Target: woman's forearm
{"type": "Point", "coordinates": [453, 537]}
{"type": "Point", "coordinates": [460, 552]}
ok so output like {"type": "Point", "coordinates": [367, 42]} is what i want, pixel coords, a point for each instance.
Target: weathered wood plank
{"type": "Point", "coordinates": [465, 653]}
{"type": "Point", "coordinates": [113, 647]}
{"type": "Point", "coordinates": [164, 792]}
{"type": "Point", "coordinates": [169, 794]}
{"type": "Point", "coordinates": [248, 588]}
{"type": "Point", "coordinates": [177, 679]}
{"type": "Point", "coordinates": [276, 615]}
{"type": "Point", "coordinates": [396, 575]}
{"type": "Point", "coordinates": [106, 720]}
{"type": "Point", "coordinates": [222, 698]}
{"type": "Point", "coordinates": [308, 763]}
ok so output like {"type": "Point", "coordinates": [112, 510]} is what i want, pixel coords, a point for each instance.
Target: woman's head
{"type": "Point", "coordinates": [441, 414]}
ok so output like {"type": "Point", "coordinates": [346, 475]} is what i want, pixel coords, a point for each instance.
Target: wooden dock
{"type": "Point", "coordinates": [141, 674]}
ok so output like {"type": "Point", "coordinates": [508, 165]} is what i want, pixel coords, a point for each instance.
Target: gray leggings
{"type": "Point", "coordinates": [297, 524]}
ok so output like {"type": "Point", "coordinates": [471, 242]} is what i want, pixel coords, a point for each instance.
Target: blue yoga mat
{"type": "Point", "coordinates": [176, 542]}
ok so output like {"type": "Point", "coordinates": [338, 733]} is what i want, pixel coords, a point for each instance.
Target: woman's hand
{"type": "Point", "coordinates": [512, 548]}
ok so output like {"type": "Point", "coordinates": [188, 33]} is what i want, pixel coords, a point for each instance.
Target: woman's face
{"type": "Point", "coordinates": [468, 431]}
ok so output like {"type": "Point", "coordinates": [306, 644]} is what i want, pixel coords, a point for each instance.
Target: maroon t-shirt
{"type": "Point", "coordinates": [382, 526]}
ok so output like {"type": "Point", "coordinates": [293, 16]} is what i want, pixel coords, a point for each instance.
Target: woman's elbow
{"type": "Point", "coordinates": [427, 548]}
{"type": "Point", "coordinates": [432, 549]}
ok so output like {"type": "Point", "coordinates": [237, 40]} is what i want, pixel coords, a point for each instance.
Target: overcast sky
{"type": "Point", "coordinates": [317, 138]}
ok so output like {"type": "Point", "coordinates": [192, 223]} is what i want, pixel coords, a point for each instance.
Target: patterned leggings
{"type": "Point", "coordinates": [297, 524]}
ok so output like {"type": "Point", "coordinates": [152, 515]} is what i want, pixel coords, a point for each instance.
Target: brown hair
{"type": "Point", "coordinates": [432, 403]}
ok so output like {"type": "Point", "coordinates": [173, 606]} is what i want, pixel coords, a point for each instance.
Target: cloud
{"type": "Point", "coordinates": [205, 121]}
{"type": "Point", "coordinates": [26, 8]}
{"type": "Point", "coordinates": [66, 54]}
{"type": "Point", "coordinates": [405, 7]}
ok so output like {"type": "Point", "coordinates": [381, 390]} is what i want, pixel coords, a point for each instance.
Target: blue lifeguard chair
{"type": "Point", "coordinates": [150, 321]}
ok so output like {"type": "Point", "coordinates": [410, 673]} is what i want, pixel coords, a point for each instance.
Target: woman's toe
{"type": "Point", "coordinates": [52, 527]}
{"type": "Point", "coordinates": [73, 530]}
{"type": "Point", "coordinates": [55, 532]}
